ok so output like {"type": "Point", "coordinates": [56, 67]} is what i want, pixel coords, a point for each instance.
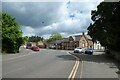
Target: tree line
{"type": "Point", "coordinates": [106, 25]}
{"type": "Point", "coordinates": [34, 38]}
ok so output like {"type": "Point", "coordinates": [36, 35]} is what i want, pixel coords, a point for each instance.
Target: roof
{"type": "Point", "coordinates": [56, 42]}
{"type": "Point", "coordinates": [53, 42]}
{"type": "Point", "coordinates": [65, 40]}
{"type": "Point", "coordinates": [77, 37]}
{"type": "Point", "coordinates": [88, 37]}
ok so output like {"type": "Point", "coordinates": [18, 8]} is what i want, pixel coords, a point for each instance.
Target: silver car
{"type": "Point", "coordinates": [78, 50]}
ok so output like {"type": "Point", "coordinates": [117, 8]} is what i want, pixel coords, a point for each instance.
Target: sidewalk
{"type": "Point", "coordinates": [97, 66]}
{"type": "Point", "coordinates": [22, 52]}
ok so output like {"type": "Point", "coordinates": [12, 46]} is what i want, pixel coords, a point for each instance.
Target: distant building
{"type": "Point", "coordinates": [85, 41]}
{"type": "Point", "coordinates": [98, 46]}
{"type": "Point", "coordinates": [76, 40]}
{"type": "Point", "coordinates": [65, 43]}
{"type": "Point", "coordinates": [57, 44]}
{"type": "Point", "coordinates": [82, 41]}
{"type": "Point", "coordinates": [41, 44]}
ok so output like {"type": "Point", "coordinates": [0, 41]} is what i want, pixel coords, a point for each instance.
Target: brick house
{"type": "Point", "coordinates": [82, 41]}
{"type": "Point", "coordinates": [76, 40]}
{"type": "Point", "coordinates": [57, 44]}
{"type": "Point", "coordinates": [65, 43]}
{"type": "Point", "coordinates": [40, 44]}
{"type": "Point", "coordinates": [68, 43]}
{"type": "Point", "coordinates": [85, 41]}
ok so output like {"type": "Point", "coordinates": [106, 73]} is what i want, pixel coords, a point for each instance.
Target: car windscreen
{"type": "Point", "coordinates": [79, 48]}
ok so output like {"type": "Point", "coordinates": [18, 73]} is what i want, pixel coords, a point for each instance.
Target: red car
{"type": "Point", "coordinates": [36, 49]}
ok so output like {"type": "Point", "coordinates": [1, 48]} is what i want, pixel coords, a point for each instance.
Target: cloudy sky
{"type": "Point", "coordinates": [44, 18]}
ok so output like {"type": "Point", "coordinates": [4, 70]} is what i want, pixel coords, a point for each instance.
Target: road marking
{"type": "Point", "coordinates": [75, 68]}
{"type": "Point", "coordinates": [81, 69]}
{"type": "Point", "coordinates": [75, 71]}
{"type": "Point", "coordinates": [16, 57]}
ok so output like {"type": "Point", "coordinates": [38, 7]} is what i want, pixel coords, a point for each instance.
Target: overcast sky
{"type": "Point", "coordinates": [43, 18]}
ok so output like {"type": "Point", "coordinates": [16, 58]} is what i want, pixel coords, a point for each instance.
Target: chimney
{"type": "Point", "coordinates": [83, 33]}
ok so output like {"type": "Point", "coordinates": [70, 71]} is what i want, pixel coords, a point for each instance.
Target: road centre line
{"type": "Point", "coordinates": [74, 69]}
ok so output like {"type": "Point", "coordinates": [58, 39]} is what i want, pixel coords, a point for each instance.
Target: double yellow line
{"type": "Point", "coordinates": [75, 68]}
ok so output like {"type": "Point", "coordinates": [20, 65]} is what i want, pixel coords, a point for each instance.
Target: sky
{"type": "Point", "coordinates": [43, 18]}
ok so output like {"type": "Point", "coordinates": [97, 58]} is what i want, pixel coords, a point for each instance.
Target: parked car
{"type": "Point", "coordinates": [35, 48]}
{"type": "Point", "coordinates": [78, 50]}
{"type": "Point", "coordinates": [89, 51]}
{"type": "Point", "coordinates": [28, 47]}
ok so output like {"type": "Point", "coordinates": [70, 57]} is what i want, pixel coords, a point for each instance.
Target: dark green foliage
{"type": "Point", "coordinates": [106, 26]}
{"type": "Point", "coordinates": [11, 34]}
{"type": "Point", "coordinates": [35, 39]}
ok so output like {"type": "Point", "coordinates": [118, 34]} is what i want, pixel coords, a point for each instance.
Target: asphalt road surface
{"type": "Point", "coordinates": [42, 64]}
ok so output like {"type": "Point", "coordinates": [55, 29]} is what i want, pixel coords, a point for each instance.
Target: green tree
{"type": "Point", "coordinates": [35, 39]}
{"type": "Point", "coordinates": [54, 36]}
{"type": "Point", "coordinates": [11, 34]}
{"type": "Point", "coordinates": [0, 32]}
{"type": "Point", "coordinates": [105, 27]}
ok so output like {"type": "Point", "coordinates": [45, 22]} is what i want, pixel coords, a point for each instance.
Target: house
{"type": "Point", "coordinates": [52, 45]}
{"type": "Point", "coordinates": [34, 43]}
{"type": "Point", "coordinates": [76, 40]}
{"type": "Point", "coordinates": [85, 41]}
{"type": "Point", "coordinates": [40, 44]}
{"type": "Point", "coordinates": [65, 43]}
{"type": "Point", "coordinates": [68, 43]}
{"type": "Point", "coordinates": [57, 44]}
{"type": "Point", "coordinates": [98, 46]}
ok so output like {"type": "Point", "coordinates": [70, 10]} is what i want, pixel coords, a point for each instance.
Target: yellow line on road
{"type": "Point", "coordinates": [75, 68]}
{"type": "Point", "coordinates": [72, 70]}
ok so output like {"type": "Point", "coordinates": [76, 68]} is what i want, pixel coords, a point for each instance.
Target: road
{"type": "Point", "coordinates": [57, 64]}
{"type": "Point", "coordinates": [98, 66]}
{"type": "Point", "coordinates": [42, 64]}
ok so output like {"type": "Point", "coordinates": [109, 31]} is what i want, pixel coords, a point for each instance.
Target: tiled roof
{"type": "Point", "coordinates": [53, 42]}
{"type": "Point", "coordinates": [56, 42]}
{"type": "Point", "coordinates": [77, 37]}
{"type": "Point", "coordinates": [88, 37]}
{"type": "Point", "coordinates": [65, 40]}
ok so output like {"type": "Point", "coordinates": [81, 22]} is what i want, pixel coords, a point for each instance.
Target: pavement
{"type": "Point", "coordinates": [98, 66]}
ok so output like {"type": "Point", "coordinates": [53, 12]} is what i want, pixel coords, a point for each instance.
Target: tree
{"type": "Point", "coordinates": [11, 34]}
{"type": "Point", "coordinates": [35, 39]}
{"type": "Point", "coordinates": [105, 27]}
{"type": "Point", "coordinates": [54, 36]}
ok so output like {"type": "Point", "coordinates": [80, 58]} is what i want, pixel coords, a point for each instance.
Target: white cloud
{"type": "Point", "coordinates": [44, 18]}
{"type": "Point", "coordinates": [51, 0]}
{"type": "Point", "coordinates": [28, 31]}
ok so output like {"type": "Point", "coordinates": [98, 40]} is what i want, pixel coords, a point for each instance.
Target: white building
{"type": "Point", "coordinates": [98, 46]}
